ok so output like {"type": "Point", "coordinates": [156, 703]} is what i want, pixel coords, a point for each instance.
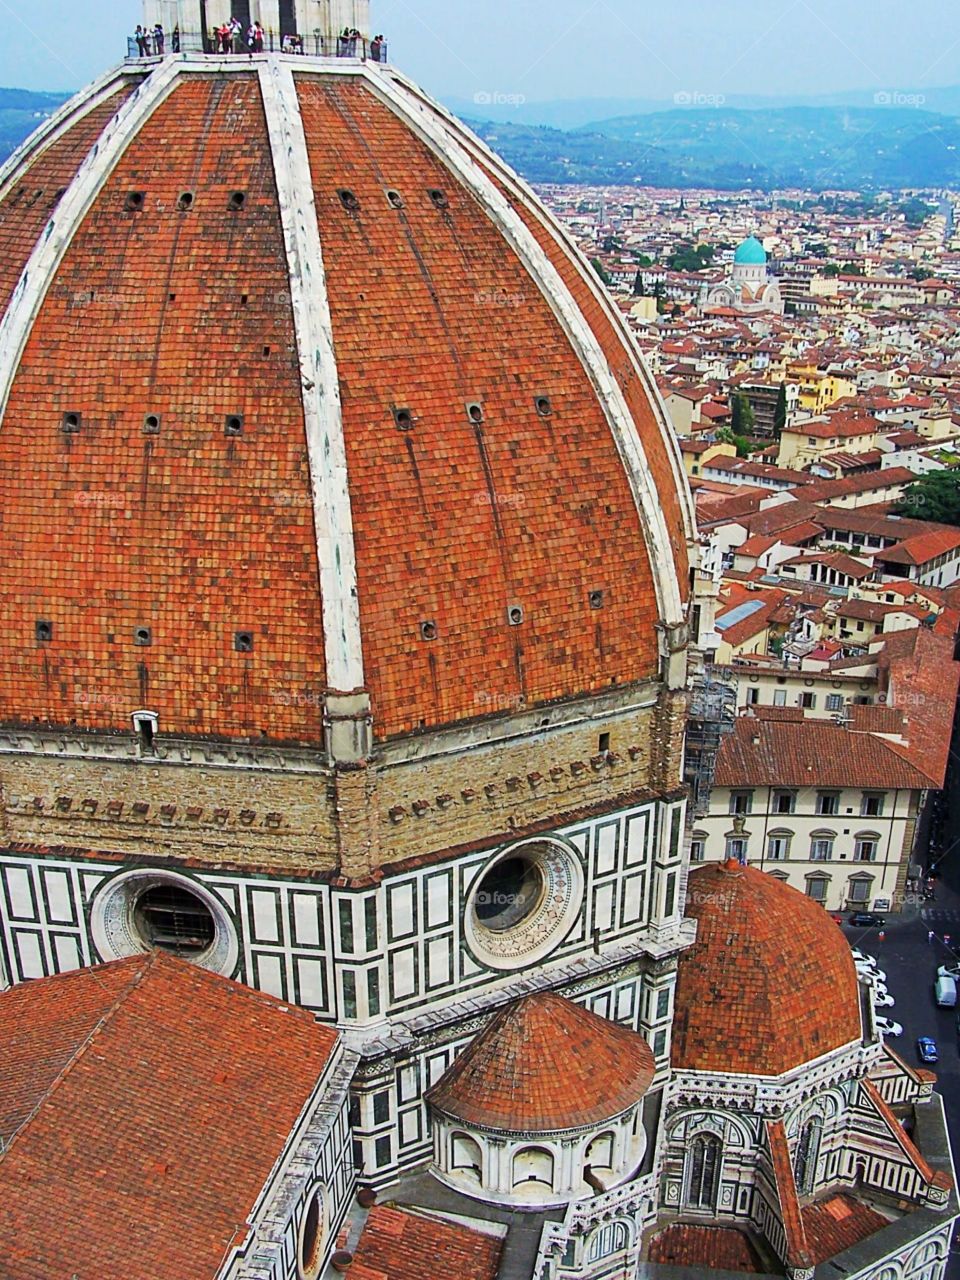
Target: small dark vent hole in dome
{"type": "Point", "coordinates": [70, 422]}
{"type": "Point", "coordinates": [603, 742]}
{"type": "Point", "coordinates": [395, 199]}
{"type": "Point", "coordinates": [475, 412]}
{"type": "Point", "coordinates": [244, 299]}
{"type": "Point", "coordinates": [135, 201]}
{"type": "Point", "coordinates": [515, 614]}
{"type": "Point", "coordinates": [428, 630]}
{"type": "Point", "coordinates": [43, 630]}
{"type": "Point", "coordinates": [543, 406]}
{"type": "Point", "coordinates": [233, 424]}
{"type": "Point", "coordinates": [596, 599]}
{"type": "Point", "coordinates": [185, 201]}
{"type": "Point", "coordinates": [438, 198]}
{"type": "Point", "coordinates": [243, 641]}
{"type": "Point", "coordinates": [142, 636]}
{"type": "Point", "coordinates": [266, 351]}
{"type": "Point", "coordinates": [404, 419]}
{"type": "Point", "coordinates": [151, 424]}
{"type": "Point", "coordinates": [171, 297]}
{"type": "Point", "coordinates": [59, 193]}
{"type": "Point", "coordinates": [349, 201]}
{"type": "Point", "coordinates": [237, 200]}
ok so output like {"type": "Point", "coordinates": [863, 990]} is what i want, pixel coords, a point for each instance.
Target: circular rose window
{"type": "Point", "coordinates": [523, 903]}
{"type": "Point", "coordinates": [154, 910]}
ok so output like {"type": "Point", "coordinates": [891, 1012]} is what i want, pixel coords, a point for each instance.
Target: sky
{"type": "Point", "coordinates": [550, 49]}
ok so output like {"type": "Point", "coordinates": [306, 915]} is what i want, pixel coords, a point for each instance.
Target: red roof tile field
{"type": "Point", "coordinates": [159, 1102]}
{"type": "Point", "coordinates": [183, 313]}
{"type": "Point", "coordinates": [191, 533]}
{"type": "Point", "coordinates": [712, 1248]}
{"type": "Point", "coordinates": [811, 753]}
{"type": "Point", "coordinates": [544, 1064]}
{"type": "Point", "coordinates": [456, 519]}
{"type": "Point", "coordinates": [838, 1222]}
{"type": "Point", "coordinates": [40, 185]}
{"type": "Point", "coordinates": [770, 983]}
{"type": "Point", "coordinates": [397, 1245]}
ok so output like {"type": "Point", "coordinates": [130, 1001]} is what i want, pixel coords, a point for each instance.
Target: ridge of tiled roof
{"type": "Point", "coordinates": [791, 1219]}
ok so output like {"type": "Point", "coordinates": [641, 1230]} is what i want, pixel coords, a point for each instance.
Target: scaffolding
{"type": "Point", "coordinates": [713, 710]}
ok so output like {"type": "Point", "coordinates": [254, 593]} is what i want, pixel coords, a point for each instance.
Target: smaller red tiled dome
{"type": "Point", "coordinates": [545, 1064]}
{"type": "Point", "coordinates": [769, 985]}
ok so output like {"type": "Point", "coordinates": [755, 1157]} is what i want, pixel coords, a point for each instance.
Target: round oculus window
{"type": "Point", "coordinates": [523, 903]}
{"type": "Point", "coordinates": [156, 910]}
{"type": "Point", "coordinates": [313, 1235]}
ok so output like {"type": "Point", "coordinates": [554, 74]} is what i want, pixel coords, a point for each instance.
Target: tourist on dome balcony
{"type": "Point", "coordinates": [159, 40]}
{"type": "Point", "coordinates": [143, 42]}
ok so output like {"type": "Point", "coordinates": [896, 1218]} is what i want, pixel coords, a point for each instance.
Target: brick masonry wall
{"type": "Point", "coordinates": [359, 820]}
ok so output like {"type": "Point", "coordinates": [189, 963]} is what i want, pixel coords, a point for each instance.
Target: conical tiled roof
{"type": "Point", "coordinates": [545, 1064]}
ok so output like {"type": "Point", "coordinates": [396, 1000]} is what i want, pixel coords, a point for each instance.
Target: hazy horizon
{"type": "Point", "coordinates": [570, 49]}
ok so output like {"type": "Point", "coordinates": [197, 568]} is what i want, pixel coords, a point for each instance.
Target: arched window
{"type": "Point", "coordinates": [808, 1152]}
{"type": "Point", "coordinates": [466, 1156]}
{"type": "Point", "coordinates": [533, 1164]}
{"type": "Point", "coordinates": [599, 1154]}
{"type": "Point", "coordinates": [611, 1238]}
{"type": "Point", "coordinates": [703, 1172]}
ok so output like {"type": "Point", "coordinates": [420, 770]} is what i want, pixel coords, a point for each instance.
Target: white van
{"type": "Point", "coordinates": [945, 991]}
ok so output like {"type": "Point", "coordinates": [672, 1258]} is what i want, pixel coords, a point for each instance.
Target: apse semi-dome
{"type": "Point", "coordinates": [303, 391]}
{"type": "Point", "coordinates": [770, 984]}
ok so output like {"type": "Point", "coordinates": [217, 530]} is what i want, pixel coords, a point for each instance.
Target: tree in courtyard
{"type": "Point", "coordinates": [935, 496]}
{"type": "Point", "coordinates": [743, 420]}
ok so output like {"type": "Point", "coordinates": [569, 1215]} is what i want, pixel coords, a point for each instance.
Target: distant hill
{"type": "Point", "coordinates": [810, 147]}
{"type": "Point", "coordinates": [575, 113]}
{"type": "Point", "coordinates": [21, 112]}
{"type": "Point", "coordinates": [816, 147]}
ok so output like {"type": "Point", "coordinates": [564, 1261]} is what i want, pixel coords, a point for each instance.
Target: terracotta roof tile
{"type": "Point", "coordinates": [813, 753]}
{"type": "Point", "coordinates": [545, 1064]}
{"type": "Point", "coordinates": [398, 1245]}
{"type": "Point", "coordinates": [712, 1248]}
{"type": "Point", "coordinates": [770, 983]}
{"type": "Point", "coordinates": [175, 1089]}
{"type": "Point", "coordinates": [838, 1222]}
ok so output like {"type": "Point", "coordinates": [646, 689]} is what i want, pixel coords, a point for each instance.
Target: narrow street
{"type": "Point", "coordinates": [910, 962]}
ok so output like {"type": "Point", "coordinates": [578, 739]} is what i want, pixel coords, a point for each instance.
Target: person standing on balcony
{"type": "Point", "coordinates": [159, 40]}
{"type": "Point", "coordinates": [142, 42]}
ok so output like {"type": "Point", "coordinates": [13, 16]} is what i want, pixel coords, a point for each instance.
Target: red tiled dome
{"type": "Point", "coordinates": [545, 1064]}
{"type": "Point", "coordinates": [155, 307]}
{"type": "Point", "coordinates": [770, 983]}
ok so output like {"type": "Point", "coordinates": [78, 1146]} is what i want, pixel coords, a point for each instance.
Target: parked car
{"type": "Point", "coordinates": [869, 972]}
{"type": "Point", "coordinates": [883, 999]}
{"type": "Point", "coordinates": [861, 957]}
{"type": "Point", "coordinates": [927, 1049]}
{"type": "Point", "coordinates": [867, 920]}
{"type": "Point", "coordinates": [945, 990]}
{"type": "Point", "coordinates": [888, 1028]}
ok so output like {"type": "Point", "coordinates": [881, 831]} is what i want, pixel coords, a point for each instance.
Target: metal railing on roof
{"type": "Point", "coordinates": [149, 45]}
